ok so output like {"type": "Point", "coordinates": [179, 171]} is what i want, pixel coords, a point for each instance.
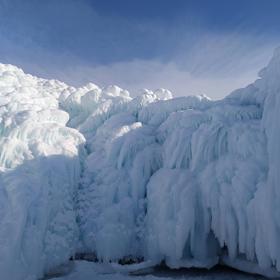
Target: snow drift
{"type": "Point", "coordinates": [188, 181]}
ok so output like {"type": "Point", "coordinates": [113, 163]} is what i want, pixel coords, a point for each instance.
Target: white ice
{"type": "Point", "coordinates": [189, 181]}
{"type": "Point", "coordinates": [39, 173]}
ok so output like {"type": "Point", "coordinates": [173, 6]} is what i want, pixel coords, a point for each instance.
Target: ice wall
{"type": "Point", "coordinates": [39, 173]}
{"type": "Point", "coordinates": [188, 180]}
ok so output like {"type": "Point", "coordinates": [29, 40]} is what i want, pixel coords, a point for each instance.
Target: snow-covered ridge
{"type": "Point", "coordinates": [186, 180]}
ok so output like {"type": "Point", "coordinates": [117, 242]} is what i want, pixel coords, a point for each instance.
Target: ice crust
{"type": "Point", "coordinates": [189, 181]}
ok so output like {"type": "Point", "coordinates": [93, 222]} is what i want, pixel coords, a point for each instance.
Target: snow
{"type": "Point", "coordinates": [188, 181]}
{"type": "Point", "coordinates": [86, 271]}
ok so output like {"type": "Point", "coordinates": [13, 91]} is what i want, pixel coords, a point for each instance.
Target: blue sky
{"type": "Point", "coordinates": [188, 46]}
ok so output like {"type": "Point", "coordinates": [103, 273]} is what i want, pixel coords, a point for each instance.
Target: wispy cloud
{"type": "Point", "coordinates": [137, 74]}
{"type": "Point", "coordinates": [70, 41]}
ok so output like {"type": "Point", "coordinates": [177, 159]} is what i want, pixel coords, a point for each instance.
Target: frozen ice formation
{"type": "Point", "coordinates": [189, 181]}
{"type": "Point", "coordinates": [39, 173]}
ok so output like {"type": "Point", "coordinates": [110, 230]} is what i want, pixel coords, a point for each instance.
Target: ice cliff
{"type": "Point", "coordinates": [39, 173]}
{"type": "Point", "coordinates": [188, 181]}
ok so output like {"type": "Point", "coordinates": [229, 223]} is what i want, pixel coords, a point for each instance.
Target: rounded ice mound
{"type": "Point", "coordinates": [115, 91]}
{"type": "Point", "coordinates": [163, 94]}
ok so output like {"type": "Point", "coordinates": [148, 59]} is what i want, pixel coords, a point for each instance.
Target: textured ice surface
{"type": "Point", "coordinates": [187, 180]}
{"type": "Point", "coordinates": [39, 172]}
